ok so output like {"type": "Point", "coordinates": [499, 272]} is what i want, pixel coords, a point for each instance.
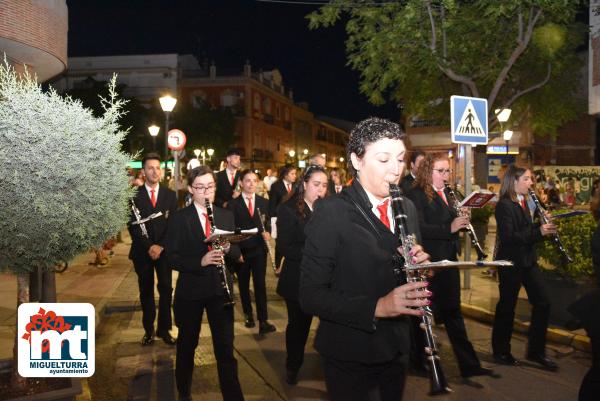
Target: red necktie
{"type": "Point", "coordinates": [383, 213]}
{"type": "Point", "coordinates": [523, 204]}
{"type": "Point", "coordinates": [153, 197]}
{"type": "Point", "coordinates": [207, 228]}
{"type": "Point", "coordinates": [232, 178]}
{"type": "Point", "coordinates": [250, 208]}
{"type": "Point", "coordinates": [289, 187]}
{"type": "Point", "coordinates": [441, 194]}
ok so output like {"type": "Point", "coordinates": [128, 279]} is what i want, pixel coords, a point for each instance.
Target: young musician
{"type": "Point", "coordinates": [416, 157]}
{"type": "Point", "coordinates": [337, 180]}
{"type": "Point", "coordinates": [293, 215]}
{"type": "Point", "coordinates": [199, 286]}
{"type": "Point", "coordinates": [517, 235]}
{"type": "Point", "coordinates": [148, 255]}
{"type": "Point", "coordinates": [440, 228]}
{"type": "Point", "coordinates": [246, 216]}
{"type": "Point", "coordinates": [347, 273]}
{"type": "Point", "coordinates": [227, 179]}
{"type": "Point", "coordinates": [282, 187]}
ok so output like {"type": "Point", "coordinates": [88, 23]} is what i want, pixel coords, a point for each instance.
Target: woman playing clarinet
{"type": "Point", "coordinates": [348, 273]}
{"type": "Point", "coordinates": [440, 226]}
{"type": "Point", "coordinates": [517, 235]}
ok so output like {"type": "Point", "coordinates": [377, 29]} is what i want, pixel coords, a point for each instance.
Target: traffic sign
{"type": "Point", "coordinates": [176, 139]}
{"type": "Point", "coordinates": [469, 120]}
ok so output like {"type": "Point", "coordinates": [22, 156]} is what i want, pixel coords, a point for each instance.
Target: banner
{"type": "Point", "coordinates": [581, 177]}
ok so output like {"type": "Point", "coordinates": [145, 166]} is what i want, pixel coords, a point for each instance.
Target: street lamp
{"type": "Point", "coordinates": [154, 129]}
{"type": "Point", "coordinates": [341, 159]}
{"type": "Point", "coordinates": [305, 151]}
{"type": "Point", "coordinates": [204, 152]}
{"type": "Point", "coordinates": [292, 153]}
{"type": "Point", "coordinates": [167, 104]}
{"type": "Point", "coordinates": [507, 135]}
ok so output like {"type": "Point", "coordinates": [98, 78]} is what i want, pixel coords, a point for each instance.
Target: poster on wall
{"type": "Point", "coordinates": [579, 178]}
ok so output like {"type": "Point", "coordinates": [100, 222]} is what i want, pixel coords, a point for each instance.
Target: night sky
{"type": "Point", "coordinates": [312, 63]}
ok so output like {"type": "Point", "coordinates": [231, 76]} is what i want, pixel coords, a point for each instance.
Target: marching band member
{"type": "Point", "coordinates": [517, 235]}
{"type": "Point", "coordinates": [254, 255]}
{"type": "Point", "coordinates": [347, 273]}
{"type": "Point", "coordinates": [440, 228]}
{"type": "Point", "coordinates": [292, 217]}
{"type": "Point", "coordinates": [199, 286]}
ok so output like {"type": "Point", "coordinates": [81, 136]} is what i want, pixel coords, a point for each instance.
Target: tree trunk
{"type": "Point", "coordinates": [22, 297]}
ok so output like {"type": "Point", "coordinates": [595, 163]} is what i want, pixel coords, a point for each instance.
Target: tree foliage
{"type": "Point", "coordinates": [516, 53]}
{"type": "Point", "coordinates": [63, 184]}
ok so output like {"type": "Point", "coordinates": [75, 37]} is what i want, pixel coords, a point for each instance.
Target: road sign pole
{"type": "Point", "coordinates": [468, 149]}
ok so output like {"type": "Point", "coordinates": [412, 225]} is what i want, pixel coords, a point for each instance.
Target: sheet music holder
{"type": "Point", "coordinates": [232, 237]}
{"type": "Point", "coordinates": [477, 199]}
{"type": "Point", "coordinates": [573, 213]}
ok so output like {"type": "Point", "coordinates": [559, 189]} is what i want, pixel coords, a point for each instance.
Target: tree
{"type": "Point", "coordinates": [205, 126]}
{"type": "Point", "coordinates": [516, 53]}
{"type": "Point", "coordinates": [63, 186]}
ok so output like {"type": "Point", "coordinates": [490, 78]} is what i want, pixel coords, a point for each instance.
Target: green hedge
{"type": "Point", "coordinates": [576, 235]}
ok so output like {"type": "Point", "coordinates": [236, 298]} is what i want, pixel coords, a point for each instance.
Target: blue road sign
{"type": "Point", "coordinates": [469, 120]}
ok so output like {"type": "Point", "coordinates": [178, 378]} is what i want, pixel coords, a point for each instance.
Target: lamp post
{"type": "Point", "coordinates": [167, 104]}
{"type": "Point", "coordinates": [210, 152]}
{"type": "Point", "coordinates": [154, 129]}
{"type": "Point", "coordinates": [507, 135]}
{"type": "Point", "coordinates": [292, 153]}
{"type": "Point", "coordinates": [503, 115]}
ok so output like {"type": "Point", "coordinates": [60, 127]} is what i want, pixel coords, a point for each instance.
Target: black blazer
{"type": "Point", "coordinates": [277, 192]}
{"type": "Point", "coordinates": [407, 183]}
{"type": "Point", "coordinates": [517, 234]}
{"type": "Point", "coordinates": [331, 188]}
{"type": "Point", "coordinates": [243, 220]}
{"type": "Point", "coordinates": [185, 249]}
{"type": "Point", "coordinates": [224, 187]}
{"type": "Point", "coordinates": [347, 266]}
{"type": "Point", "coordinates": [290, 244]}
{"type": "Point", "coordinates": [435, 218]}
{"type": "Point", "coordinates": [166, 203]}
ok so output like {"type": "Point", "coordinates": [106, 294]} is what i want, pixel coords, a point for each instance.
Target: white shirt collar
{"type": "Point", "coordinates": [148, 188]}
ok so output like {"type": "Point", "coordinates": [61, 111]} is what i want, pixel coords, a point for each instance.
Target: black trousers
{"type": "Point", "coordinates": [445, 286]}
{"type": "Point", "coordinates": [255, 265]}
{"type": "Point", "coordinates": [145, 272]}
{"type": "Point", "coordinates": [188, 318]}
{"type": "Point", "coordinates": [296, 334]}
{"type": "Point", "coordinates": [511, 279]}
{"type": "Point", "coordinates": [355, 381]}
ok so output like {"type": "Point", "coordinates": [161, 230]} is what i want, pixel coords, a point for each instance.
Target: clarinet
{"type": "Point", "coordinates": [221, 267]}
{"type": "Point", "coordinates": [138, 217]}
{"type": "Point", "coordinates": [541, 211]}
{"type": "Point", "coordinates": [267, 245]}
{"type": "Point", "coordinates": [474, 240]}
{"type": "Point", "coordinates": [437, 380]}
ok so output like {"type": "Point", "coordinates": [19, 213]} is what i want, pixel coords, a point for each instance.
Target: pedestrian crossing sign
{"type": "Point", "coordinates": [469, 120]}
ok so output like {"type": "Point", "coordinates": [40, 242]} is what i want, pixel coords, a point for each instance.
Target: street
{"type": "Point", "coordinates": [127, 371]}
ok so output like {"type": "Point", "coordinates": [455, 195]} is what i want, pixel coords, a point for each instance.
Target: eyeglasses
{"type": "Point", "coordinates": [443, 171]}
{"type": "Point", "coordinates": [203, 189]}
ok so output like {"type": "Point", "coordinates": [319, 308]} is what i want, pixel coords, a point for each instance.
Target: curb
{"type": "Point", "coordinates": [555, 335]}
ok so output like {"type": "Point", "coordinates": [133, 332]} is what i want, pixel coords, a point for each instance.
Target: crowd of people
{"type": "Point", "coordinates": [339, 258]}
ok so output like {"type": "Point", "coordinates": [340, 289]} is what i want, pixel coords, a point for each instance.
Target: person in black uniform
{"type": "Point", "coordinates": [440, 228]}
{"type": "Point", "coordinates": [227, 180]}
{"type": "Point", "coordinates": [254, 254]}
{"type": "Point", "coordinates": [586, 310]}
{"type": "Point", "coordinates": [199, 287]}
{"type": "Point", "coordinates": [147, 253]}
{"type": "Point", "coordinates": [416, 157]}
{"type": "Point", "coordinates": [517, 235]}
{"type": "Point", "coordinates": [337, 180]}
{"type": "Point", "coordinates": [282, 187]}
{"type": "Point", "coordinates": [347, 273]}
{"type": "Point", "coordinates": [293, 215]}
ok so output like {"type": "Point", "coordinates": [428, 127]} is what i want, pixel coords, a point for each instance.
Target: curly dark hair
{"type": "Point", "coordinates": [425, 171]}
{"type": "Point", "coordinates": [368, 131]}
